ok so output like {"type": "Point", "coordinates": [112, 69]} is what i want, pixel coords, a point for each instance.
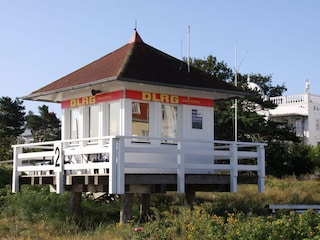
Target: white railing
{"type": "Point", "coordinates": [291, 99]}
{"type": "Point", "coordinates": [115, 156]}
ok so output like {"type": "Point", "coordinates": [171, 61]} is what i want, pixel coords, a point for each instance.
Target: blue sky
{"type": "Point", "coordinates": [42, 41]}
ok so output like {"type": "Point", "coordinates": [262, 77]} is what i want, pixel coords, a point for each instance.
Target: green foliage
{"type": "Point", "coordinates": [291, 191]}
{"type": "Point", "coordinates": [5, 175]}
{"type": "Point", "coordinates": [44, 127]}
{"type": "Point", "coordinates": [213, 67]}
{"type": "Point", "coordinates": [6, 152]}
{"type": "Point", "coordinates": [299, 161]}
{"type": "Point", "coordinates": [11, 125]}
{"type": "Point", "coordinates": [34, 204]}
{"type": "Point", "coordinates": [265, 82]}
{"type": "Point", "coordinates": [35, 213]}
{"type": "Point", "coordinates": [284, 156]}
{"type": "Point", "coordinates": [315, 156]}
{"type": "Point", "coordinates": [35, 208]}
{"type": "Point", "coordinates": [11, 117]}
{"type": "Point", "coordinates": [290, 159]}
{"type": "Point", "coordinates": [197, 224]}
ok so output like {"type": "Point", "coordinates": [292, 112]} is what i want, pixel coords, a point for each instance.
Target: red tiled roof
{"type": "Point", "coordinates": [106, 67]}
{"type": "Point", "coordinates": [139, 62]}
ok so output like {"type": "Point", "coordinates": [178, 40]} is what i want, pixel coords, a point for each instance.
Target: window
{"type": "Point", "coordinates": [74, 123]}
{"type": "Point", "coordinates": [299, 128]}
{"type": "Point", "coordinates": [196, 119]}
{"type": "Point", "coordinates": [169, 122]}
{"type": "Point", "coordinates": [318, 124]}
{"type": "Point", "coordinates": [140, 119]}
{"type": "Point", "coordinates": [136, 108]}
{"type": "Point", "coordinates": [114, 118]}
{"type": "Point", "coordinates": [94, 121]}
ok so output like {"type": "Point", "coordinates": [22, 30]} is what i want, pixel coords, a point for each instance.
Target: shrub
{"type": "Point", "coordinates": [5, 175]}
{"type": "Point", "coordinates": [35, 213]}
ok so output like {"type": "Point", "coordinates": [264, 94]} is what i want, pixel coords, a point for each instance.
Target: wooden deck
{"type": "Point", "coordinates": [141, 183]}
{"type": "Point", "coordinates": [118, 165]}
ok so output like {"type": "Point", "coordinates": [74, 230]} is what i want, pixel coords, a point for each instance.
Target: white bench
{"type": "Point", "coordinates": [296, 207]}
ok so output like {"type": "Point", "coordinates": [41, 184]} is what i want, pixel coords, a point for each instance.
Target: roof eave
{"type": "Point", "coordinates": [228, 93]}
{"type": "Point", "coordinates": [37, 96]}
{"type": "Point", "coordinates": [41, 96]}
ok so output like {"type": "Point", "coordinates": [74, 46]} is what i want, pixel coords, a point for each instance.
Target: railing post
{"type": "Point", "coordinates": [120, 166]}
{"type": "Point", "coordinates": [113, 167]}
{"type": "Point", "coordinates": [180, 169]}
{"type": "Point", "coordinates": [59, 166]}
{"type": "Point", "coordinates": [261, 167]}
{"type": "Point", "coordinates": [16, 164]}
{"type": "Point", "coordinates": [233, 167]}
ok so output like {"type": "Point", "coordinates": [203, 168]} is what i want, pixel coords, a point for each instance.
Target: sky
{"type": "Point", "coordinates": [42, 41]}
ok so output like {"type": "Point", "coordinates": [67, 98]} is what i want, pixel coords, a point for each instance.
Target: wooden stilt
{"type": "Point", "coordinates": [145, 204]}
{"type": "Point", "coordinates": [126, 207]}
{"type": "Point", "coordinates": [190, 198]}
{"type": "Point", "coordinates": [75, 203]}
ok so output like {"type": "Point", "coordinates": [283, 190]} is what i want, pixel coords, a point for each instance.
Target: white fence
{"type": "Point", "coordinates": [115, 156]}
{"type": "Point", "coordinates": [291, 99]}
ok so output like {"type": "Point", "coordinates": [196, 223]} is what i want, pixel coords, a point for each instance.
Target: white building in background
{"type": "Point", "coordinates": [302, 111]}
{"type": "Point", "coordinates": [26, 136]}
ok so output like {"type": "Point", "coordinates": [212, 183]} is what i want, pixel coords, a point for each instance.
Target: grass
{"type": "Point", "coordinates": [35, 213]}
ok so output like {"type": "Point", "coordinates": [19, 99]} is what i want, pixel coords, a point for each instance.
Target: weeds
{"type": "Point", "coordinates": [35, 213]}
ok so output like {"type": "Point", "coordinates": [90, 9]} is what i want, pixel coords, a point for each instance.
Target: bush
{"type": "Point", "coordinates": [35, 213]}
{"type": "Point", "coordinates": [197, 224]}
{"type": "Point", "coordinates": [5, 175]}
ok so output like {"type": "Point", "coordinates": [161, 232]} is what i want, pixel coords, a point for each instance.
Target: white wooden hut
{"type": "Point", "coordinates": [137, 121]}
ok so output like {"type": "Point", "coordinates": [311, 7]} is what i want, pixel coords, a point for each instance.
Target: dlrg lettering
{"type": "Point", "coordinates": [82, 101]}
{"type": "Point", "coordinates": [156, 97]}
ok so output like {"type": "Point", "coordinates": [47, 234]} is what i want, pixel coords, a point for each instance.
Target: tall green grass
{"type": "Point", "coordinates": [35, 213]}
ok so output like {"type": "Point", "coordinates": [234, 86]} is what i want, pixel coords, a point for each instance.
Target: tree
{"type": "Point", "coordinates": [11, 117]}
{"type": "Point", "coordinates": [11, 125]}
{"type": "Point", "coordinates": [253, 125]}
{"type": "Point", "coordinates": [299, 161]}
{"type": "Point", "coordinates": [315, 156]}
{"type": "Point", "coordinates": [213, 67]}
{"type": "Point", "coordinates": [6, 151]}
{"type": "Point", "coordinates": [250, 123]}
{"type": "Point", "coordinates": [44, 127]}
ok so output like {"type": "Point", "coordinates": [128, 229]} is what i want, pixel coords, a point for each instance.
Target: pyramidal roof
{"type": "Point", "coordinates": [137, 62]}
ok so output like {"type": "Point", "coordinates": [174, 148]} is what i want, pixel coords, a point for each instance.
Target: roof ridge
{"type": "Point", "coordinates": [126, 60]}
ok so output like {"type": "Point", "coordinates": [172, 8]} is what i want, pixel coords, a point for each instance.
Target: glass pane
{"type": "Point", "coordinates": [114, 118]}
{"type": "Point", "coordinates": [169, 126]}
{"type": "Point", "coordinates": [74, 123]}
{"type": "Point", "coordinates": [94, 121]}
{"type": "Point", "coordinates": [140, 119]}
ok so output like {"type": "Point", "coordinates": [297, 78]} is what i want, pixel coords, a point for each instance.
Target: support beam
{"type": "Point", "coordinates": [58, 159]}
{"type": "Point", "coordinates": [15, 173]}
{"type": "Point", "coordinates": [181, 169]}
{"type": "Point", "coordinates": [190, 198]}
{"type": "Point", "coordinates": [145, 204]}
{"type": "Point", "coordinates": [261, 168]}
{"type": "Point", "coordinates": [75, 203]}
{"type": "Point", "coordinates": [126, 207]}
{"type": "Point", "coordinates": [234, 167]}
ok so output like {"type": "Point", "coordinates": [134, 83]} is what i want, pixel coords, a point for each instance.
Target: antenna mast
{"type": "Point", "coordinates": [188, 48]}
{"type": "Point", "coordinates": [236, 67]}
{"type": "Point", "coordinates": [235, 100]}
